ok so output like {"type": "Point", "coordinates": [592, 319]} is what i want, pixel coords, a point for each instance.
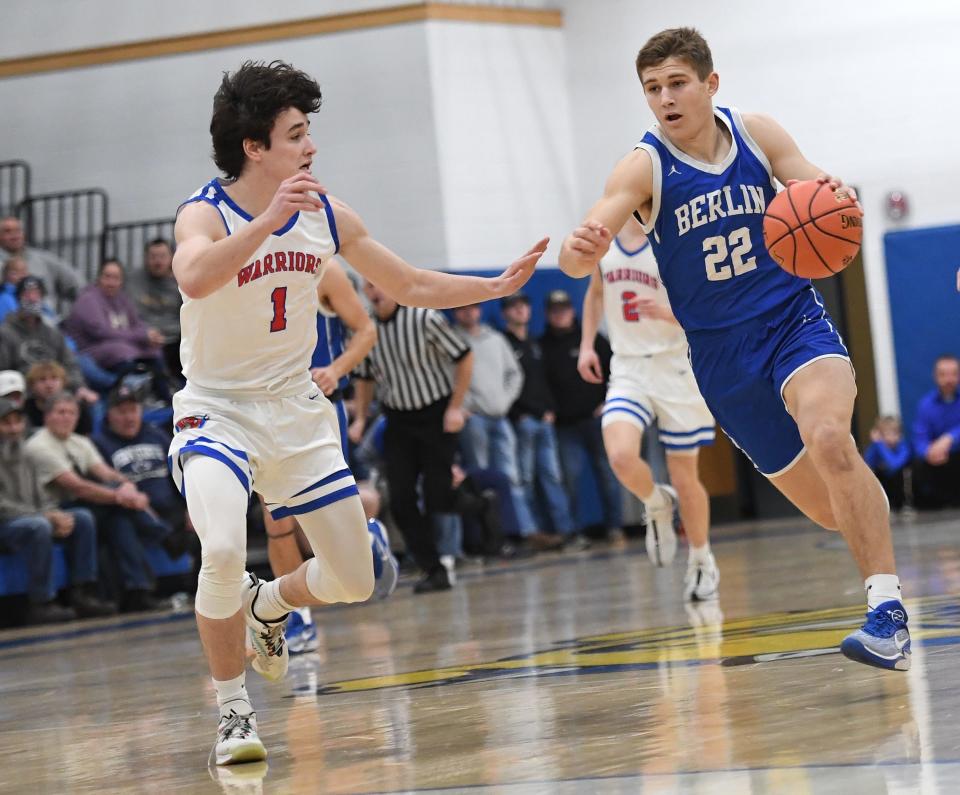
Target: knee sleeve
{"type": "Point", "coordinates": [342, 570]}
{"type": "Point", "coordinates": [217, 503]}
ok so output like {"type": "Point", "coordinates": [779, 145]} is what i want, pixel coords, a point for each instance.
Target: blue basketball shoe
{"type": "Point", "coordinates": [301, 635]}
{"type": "Point", "coordinates": [386, 570]}
{"type": "Point", "coordinates": [883, 641]}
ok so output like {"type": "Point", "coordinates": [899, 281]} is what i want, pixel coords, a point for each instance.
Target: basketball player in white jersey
{"type": "Point", "coordinates": [251, 251]}
{"type": "Point", "coordinates": [650, 379]}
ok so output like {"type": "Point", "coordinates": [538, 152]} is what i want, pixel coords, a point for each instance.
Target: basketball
{"type": "Point", "coordinates": [812, 231]}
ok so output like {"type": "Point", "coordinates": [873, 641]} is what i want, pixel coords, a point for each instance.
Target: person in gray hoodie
{"type": "Point", "coordinates": [488, 440]}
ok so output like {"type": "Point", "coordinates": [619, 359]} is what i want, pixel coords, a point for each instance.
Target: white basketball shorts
{"type": "Point", "coordinates": [662, 388]}
{"type": "Point", "coordinates": [285, 448]}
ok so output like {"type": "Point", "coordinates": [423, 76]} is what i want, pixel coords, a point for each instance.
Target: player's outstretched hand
{"type": "Point", "coordinates": [520, 271]}
{"type": "Point", "coordinates": [296, 194]}
{"type": "Point", "coordinates": [588, 365]}
{"type": "Point", "coordinates": [589, 242]}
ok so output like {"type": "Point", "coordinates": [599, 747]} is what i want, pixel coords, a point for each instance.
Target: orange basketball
{"type": "Point", "coordinates": [812, 231]}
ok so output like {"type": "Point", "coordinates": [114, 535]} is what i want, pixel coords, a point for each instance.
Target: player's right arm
{"type": "Point", "coordinates": [629, 188]}
{"type": "Point", "coordinates": [588, 363]}
{"type": "Point", "coordinates": [207, 257]}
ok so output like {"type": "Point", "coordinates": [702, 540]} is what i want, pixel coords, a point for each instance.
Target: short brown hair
{"type": "Point", "coordinates": [45, 370]}
{"type": "Point", "coordinates": [684, 43]}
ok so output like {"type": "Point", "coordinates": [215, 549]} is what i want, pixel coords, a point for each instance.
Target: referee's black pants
{"type": "Point", "coordinates": [415, 445]}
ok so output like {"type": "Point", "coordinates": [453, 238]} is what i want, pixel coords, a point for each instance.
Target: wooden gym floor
{"type": "Point", "coordinates": [567, 673]}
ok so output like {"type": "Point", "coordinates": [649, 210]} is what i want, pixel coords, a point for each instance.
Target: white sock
{"type": "Point", "coordinates": [305, 614]}
{"type": "Point", "coordinates": [882, 588]}
{"type": "Point", "coordinates": [654, 499]}
{"type": "Point", "coordinates": [269, 605]}
{"type": "Point", "coordinates": [232, 696]}
{"type": "Point", "coordinates": [699, 554]}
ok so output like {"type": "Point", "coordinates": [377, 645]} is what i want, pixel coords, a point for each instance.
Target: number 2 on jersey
{"type": "Point", "coordinates": [279, 298]}
{"type": "Point", "coordinates": [630, 313]}
{"type": "Point", "coordinates": [716, 250]}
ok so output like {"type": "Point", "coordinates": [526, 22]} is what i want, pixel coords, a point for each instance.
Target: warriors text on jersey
{"type": "Point", "coordinates": [256, 334]}
{"type": "Point", "coordinates": [627, 276]}
{"type": "Point", "coordinates": [706, 230]}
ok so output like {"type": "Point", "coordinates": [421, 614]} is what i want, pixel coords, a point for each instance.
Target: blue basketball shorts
{"type": "Point", "coordinates": [742, 372]}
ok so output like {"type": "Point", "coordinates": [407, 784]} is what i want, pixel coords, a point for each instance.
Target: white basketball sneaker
{"type": "Point", "coordinates": [661, 536]}
{"type": "Point", "coordinates": [271, 655]}
{"type": "Point", "coordinates": [702, 581]}
{"type": "Point", "coordinates": [237, 740]}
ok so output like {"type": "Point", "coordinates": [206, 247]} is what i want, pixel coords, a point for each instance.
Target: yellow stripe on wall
{"type": "Point", "coordinates": [293, 29]}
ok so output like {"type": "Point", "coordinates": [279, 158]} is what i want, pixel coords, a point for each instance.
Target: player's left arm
{"type": "Point", "coordinates": [412, 286]}
{"type": "Point", "coordinates": [786, 160]}
{"type": "Point", "coordinates": [338, 292]}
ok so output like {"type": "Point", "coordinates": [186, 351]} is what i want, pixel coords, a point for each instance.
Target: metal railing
{"type": "Point", "coordinates": [127, 242]}
{"type": "Point", "coordinates": [14, 185]}
{"type": "Point", "coordinates": [70, 224]}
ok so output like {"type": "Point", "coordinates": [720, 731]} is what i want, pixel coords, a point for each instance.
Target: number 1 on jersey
{"type": "Point", "coordinates": [279, 298]}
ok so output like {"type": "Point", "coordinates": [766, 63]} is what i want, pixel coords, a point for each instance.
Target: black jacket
{"type": "Point", "coordinates": [535, 398]}
{"type": "Point", "coordinates": [576, 399]}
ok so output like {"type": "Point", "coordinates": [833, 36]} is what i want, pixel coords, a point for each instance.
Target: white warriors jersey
{"type": "Point", "coordinates": [627, 276]}
{"type": "Point", "coordinates": [256, 334]}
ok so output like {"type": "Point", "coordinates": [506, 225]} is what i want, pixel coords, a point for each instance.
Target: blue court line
{"type": "Point", "coordinates": [631, 777]}
{"type": "Point", "coordinates": [86, 631]}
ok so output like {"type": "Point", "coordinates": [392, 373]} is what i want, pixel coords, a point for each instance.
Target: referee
{"type": "Point", "coordinates": [422, 369]}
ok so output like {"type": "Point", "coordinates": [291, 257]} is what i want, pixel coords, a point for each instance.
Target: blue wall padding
{"type": "Point", "coordinates": [924, 306]}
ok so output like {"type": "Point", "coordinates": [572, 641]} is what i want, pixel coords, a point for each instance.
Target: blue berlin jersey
{"type": "Point", "coordinates": [330, 336]}
{"type": "Point", "coordinates": [706, 230]}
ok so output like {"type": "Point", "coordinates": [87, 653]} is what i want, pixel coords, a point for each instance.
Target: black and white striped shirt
{"type": "Point", "coordinates": [412, 362]}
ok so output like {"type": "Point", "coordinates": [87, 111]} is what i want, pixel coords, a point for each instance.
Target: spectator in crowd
{"type": "Point", "coordinates": [54, 271]}
{"type": "Point", "coordinates": [138, 451]}
{"type": "Point", "coordinates": [422, 369]}
{"type": "Point", "coordinates": [936, 440]}
{"type": "Point", "coordinates": [578, 407]}
{"type": "Point", "coordinates": [488, 440]}
{"type": "Point", "coordinates": [158, 300]}
{"type": "Point", "coordinates": [533, 415]}
{"type": "Point", "coordinates": [44, 380]}
{"type": "Point", "coordinates": [25, 340]}
{"type": "Point", "coordinates": [889, 457]}
{"type": "Point", "coordinates": [110, 333]}
{"type": "Point", "coordinates": [14, 272]}
{"type": "Point", "coordinates": [30, 521]}
{"type": "Point", "coordinates": [13, 387]}
{"type": "Point", "coordinates": [74, 473]}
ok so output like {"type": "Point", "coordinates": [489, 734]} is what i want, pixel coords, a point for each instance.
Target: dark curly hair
{"type": "Point", "coordinates": [247, 104]}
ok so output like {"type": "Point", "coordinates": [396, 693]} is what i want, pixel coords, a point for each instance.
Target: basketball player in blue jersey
{"type": "Point", "coordinates": [345, 335]}
{"type": "Point", "coordinates": [766, 356]}
{"type": "Point", "coordinates": [251, 251]}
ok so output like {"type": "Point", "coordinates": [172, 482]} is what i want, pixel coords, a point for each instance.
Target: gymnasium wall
{"type": "Point", "coordinates": [452, 139]}
{"type": "Point", "coordinates": [865, 88]}
{"type": "Point", "coordinates": [462, 143]}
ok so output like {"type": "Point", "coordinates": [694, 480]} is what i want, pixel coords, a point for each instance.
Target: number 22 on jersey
{"type": "Point", "coordinates": [717, 248]}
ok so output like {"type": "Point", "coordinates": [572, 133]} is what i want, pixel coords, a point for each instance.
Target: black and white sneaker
{"type": "Point", "coordinates": [237, 740]}
{"type": "Point", "coordinates": [265, 637]}
{"type": "Point", "coordinates": [661, 537]}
